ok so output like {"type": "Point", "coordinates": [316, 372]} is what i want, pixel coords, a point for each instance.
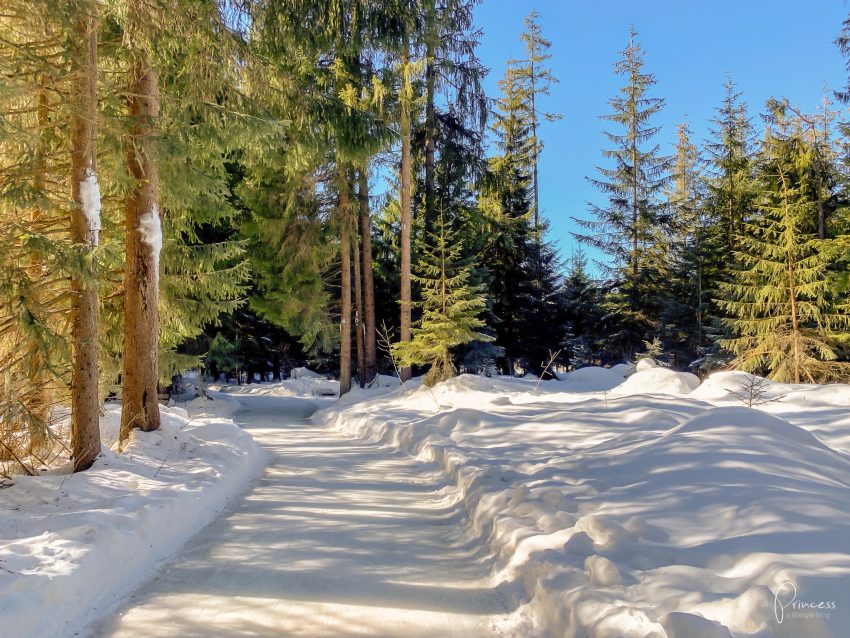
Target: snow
{"type": "Point", "coordinates": [80, 542]}
{"type": "Point", "coordinates": [305, 383]}
{"type": "Point", "coordinates": [656, 507]}
{"type": "Point", "coordinates": [337, 538]}
{"type": "Point", "coordinates": [150, 227]}
{"type": "Point", "coordinates": [90, 200]}
{"type": "Point", "coordinates": [612, 503]}
{"type": "Point", "coordinates": [654, 380]}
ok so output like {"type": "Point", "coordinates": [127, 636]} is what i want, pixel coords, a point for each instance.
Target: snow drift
{"type": "Point", "coordinates": [80, 542]}
{"type": "Point", "coordinates": [651, 508]}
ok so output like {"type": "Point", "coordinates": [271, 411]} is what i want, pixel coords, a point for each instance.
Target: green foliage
{"type": "Point", "coordinates": [451, 306]}
{"type": "Point", "coordinates": [631, 228]}
{"type": "Point", "coordinates": [785, 317]}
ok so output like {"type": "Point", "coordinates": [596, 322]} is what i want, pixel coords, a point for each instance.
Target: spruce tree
{"type": "Point", "coordinates": [730, 152]}
{"type": "Point", "coordinates": [85, 228]}
{"type": "Point", "coordinates": [535, 80]}
{"type": "Point", "coordinates": [143, 242]}
{"type": "Point", "coordinates": [629, 227]}
{"type": "Point", "coordinates": [583, 314]}
{"type": "Point", "coordinates": [785, 320]}
{"type": "Point", "coordinates": [683, 314]}
{"type": "Point", "coordinates": [450, 306]}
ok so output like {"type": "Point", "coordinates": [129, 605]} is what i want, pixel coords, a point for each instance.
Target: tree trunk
{"type": "Point", "coordinates": [370, 346]}
{"type": "Point", "coordinates": [534, 155]}
{"type": "Point", "coordinates": [430, 134]}
{"type": "Point", "coordinates": [406, 299]}
{"type": "Point", "coordinates": [38, 401]}
{"type": "Point", "coordinates": [143, 241]}
{"type": "Point", "coordinates": [358, 305]}
{"type": "Point", "coordinates": [85, 403]}
{"type": "Point", "coordinates": [345, 275]}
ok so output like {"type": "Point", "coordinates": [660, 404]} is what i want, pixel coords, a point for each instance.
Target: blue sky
{"type": "Point", "coordinates": [770, 48]}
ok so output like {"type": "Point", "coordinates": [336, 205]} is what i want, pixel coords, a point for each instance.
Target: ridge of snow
{"type": "Point", "coordinates": [653, 514]}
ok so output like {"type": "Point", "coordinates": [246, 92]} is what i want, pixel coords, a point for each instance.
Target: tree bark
{"type": "Point", "coordinates": [38, 401]}
{"type": "Point", "coordinates": [406, 298]}
{"type": "Point", "coordinates": [370, 334]}
{"type": "Point", "coordinates": [140, 408]}
{"type": "Point", "coordinates": [85, 403]}
{"type": "Point", "coordinates": [345, 275]}
{"type": "Point", "coordinates": [534, 156]}
{"type": "Point", "coordinates": [430, 134]}
{"type": "Point", "coordinates": [358, 305]}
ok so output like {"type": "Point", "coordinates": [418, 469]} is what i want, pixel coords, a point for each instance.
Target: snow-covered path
{"type": "Point", "coordinates": [338, 538]}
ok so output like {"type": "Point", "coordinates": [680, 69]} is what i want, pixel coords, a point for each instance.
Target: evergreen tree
{"type": "Point", "coordinates": [629, 228]}
{"type": "Point", "coordinates": [525, 288]}
{"type": "Point", "coordinates": [450, 306]}
{"type": "Point", "coordinates": [683, 315]}
{"type": "Point", "coordinates": [85, 228]}
{"type": "Point", "coordinates": [535, 80]}
{"type": "Point", "coordinates": [784, 318]}
{"type": "Point", "coordinates": [583, 314]}
{"type": "Point", "coordinates": [730, 152]}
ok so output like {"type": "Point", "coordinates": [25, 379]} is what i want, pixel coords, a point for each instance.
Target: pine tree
{"type": "Point", "coordinates": [143, 243]}
{"type": "Point", "coordinates": [683, 314]}
{"type": "Point", "coordinates": [450, 306]}
{"type": "Point", "coordinates": [535, 80]}
{"type": "Point", "coordinates": [583, 314]}
{"type": "Point", "coordinates": [628, 229]}
{"type": "Point", "coordinates": [730, 151]}
{"type": "Point", "coordinates": [524, 285]}
{"type": "Point", "coordinates": [405, 110]}
{"type": "Point", "coordinates": [779, 304]}
{"type": "Point", "coordinates": [85, 227]}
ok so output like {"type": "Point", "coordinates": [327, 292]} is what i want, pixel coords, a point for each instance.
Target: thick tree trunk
{"type": "Point", "coordinates": [143, 241]}
{"type": "Point", "coordinates": [85, 223]}
{"type": "Point", "coordinates": [345, 275]}
{"type": "Point", "coordinates": [38, 400]}
{"type": "Point", "coordinates": [358, 305]}
{"type": "Point", "coordinates": [370, 334]}
{"type": "Point", "coordinates": [406, 299]}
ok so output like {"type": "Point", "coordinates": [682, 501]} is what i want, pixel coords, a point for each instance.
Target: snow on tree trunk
{"type": "Point", "coordinates": [85, 224]}
{"type": "Point", "coordinates": [143, 242]}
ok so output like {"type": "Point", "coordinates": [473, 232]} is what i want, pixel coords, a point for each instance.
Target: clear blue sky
{"type": "Point", "coordinates": [770, 48]}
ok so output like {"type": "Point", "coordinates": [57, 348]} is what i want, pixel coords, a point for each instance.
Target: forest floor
{"type": "Point", "coordinates": [338, 538]}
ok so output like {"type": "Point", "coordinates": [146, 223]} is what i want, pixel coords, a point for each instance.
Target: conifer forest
{"type": "Point", "coordinates": [262, 203]}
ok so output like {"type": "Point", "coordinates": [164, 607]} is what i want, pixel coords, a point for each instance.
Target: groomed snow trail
{"type": "Point", "coordinates": [338, 538]}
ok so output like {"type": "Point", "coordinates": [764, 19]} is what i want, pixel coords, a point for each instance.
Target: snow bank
{"type": "Point", "coordinates": [80, 542]}
{"type": "Point", "coordinates": [593, 378]}
{"type": "Point", "coordinates": [656, 380]}
{"type": "Point", "coordinates": [641, 515]}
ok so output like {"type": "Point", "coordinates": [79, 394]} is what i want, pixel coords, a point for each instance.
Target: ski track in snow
{"type": "Point", "coordinates": [338, 538]}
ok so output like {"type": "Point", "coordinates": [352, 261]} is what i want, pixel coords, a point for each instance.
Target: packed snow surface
{"type": "Point", "coordinates": [338, 538]}
{"type": "Point", "coordinates": [72, 545]}
{"type": "Point", "coordinates": [654, 507]}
